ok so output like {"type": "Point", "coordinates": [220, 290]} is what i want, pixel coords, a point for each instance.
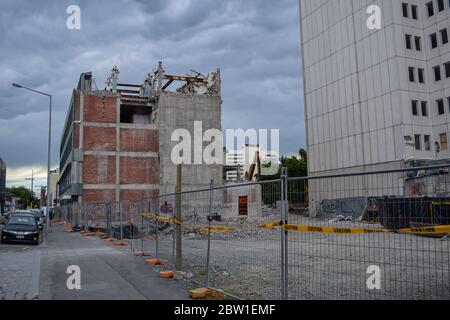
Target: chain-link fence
{"type": "Point", "coordinates": [379, 235]}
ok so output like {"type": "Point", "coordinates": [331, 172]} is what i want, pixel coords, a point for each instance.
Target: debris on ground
{"type": "Point", "coordinates": [167, 274]}
{"type": "Point", "coordinates": [203, 293]}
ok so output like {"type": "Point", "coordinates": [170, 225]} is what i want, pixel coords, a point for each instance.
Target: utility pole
{"type": "Point", "coordinates": [48, 147]}
{"type": "Point", "coordinates": [32, 182]}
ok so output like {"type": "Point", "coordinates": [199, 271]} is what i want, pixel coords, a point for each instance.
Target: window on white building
{"type": "Point", "coordinates": [405, 10]}
{"type": "Point", "coordinates": [427, 142]}
{"type": "Point", "coordinates": [417, 142]}
{"type": "Point", "coordinates": [421, 76]}
{"type": "Point", "coordinates": [440, 106]}
{"type": "Point", "coordinates": [430, 9]}
{"type": "Point", "coordinates": [433, 39]}
{"type": "Point", "coordinates": [424, 109]}
{"type": "Point", "coordinates": [444, 141]}
{"type": "Point", "coordinates": [444, 36]}
{"type": "Point", "coordinates": [414, 104]}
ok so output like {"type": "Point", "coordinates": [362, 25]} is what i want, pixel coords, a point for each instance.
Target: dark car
{"type": "Point", "coordinates": [21, 228]}
{"type": "Point", "coordinates": [30, 213]}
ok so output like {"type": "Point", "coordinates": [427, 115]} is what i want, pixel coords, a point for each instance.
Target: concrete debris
{"type": "Point", "coordinates": [185, 274]}
{"type": "Point", "coordinates": [338, 219]}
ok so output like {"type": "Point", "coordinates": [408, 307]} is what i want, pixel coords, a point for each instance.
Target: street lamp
{"type": "Point", "coordinates": [49, 147]}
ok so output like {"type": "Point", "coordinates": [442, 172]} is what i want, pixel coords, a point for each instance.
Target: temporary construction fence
{"type": "Point", "coordinates": [377, 235]}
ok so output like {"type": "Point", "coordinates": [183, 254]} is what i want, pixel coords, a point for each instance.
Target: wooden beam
{"type": "Point", "coordinates": [168, 83]}
{"type": "Point", "coordinates": [128, 91]}
{"type": "Point", "coordinates": [128, 85]}
{"type": "Point", "coordinates": [187, 79]}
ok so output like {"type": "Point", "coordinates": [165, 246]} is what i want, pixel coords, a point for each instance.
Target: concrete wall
{"type": "Point", "coordinates": [231, 196]}
{"type": "Point", "coordinates": [374, 185]}
{"type": "Point", "coordinates": [177, 111]}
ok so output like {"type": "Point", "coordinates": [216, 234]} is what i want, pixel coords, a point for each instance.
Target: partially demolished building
{"type": "Point", "coordinates": [116, 143]}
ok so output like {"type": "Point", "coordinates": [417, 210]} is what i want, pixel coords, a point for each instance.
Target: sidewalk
{"type": "Point", "coordinates": [107, 273]}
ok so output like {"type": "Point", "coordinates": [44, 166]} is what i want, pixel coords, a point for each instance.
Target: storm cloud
{"type": "Point", "coordinates": [256, 44]}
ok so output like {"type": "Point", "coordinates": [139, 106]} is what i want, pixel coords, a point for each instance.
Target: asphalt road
{"type": "Point", "coordinates": [107, 273]}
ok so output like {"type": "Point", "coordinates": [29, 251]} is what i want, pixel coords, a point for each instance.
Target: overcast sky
{"type": "Point", "coordinates": [256, 43]}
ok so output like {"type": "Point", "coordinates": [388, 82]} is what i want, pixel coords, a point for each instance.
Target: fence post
{"type": "Point", "coordinates": [282, 233]}
{"type": "Point", "coordinates": [108, 218]}
{"type": "Point", "coordinates": [178, 230]}
{"type": "Point", "coordinates": [119, 207]}
{"type": "Point", "coordinates": [209, 234]}
{"type": "Point", "coordinates": [174, 241]}
{"type": "Point", "coordinates": [131, 224]}
{"type": "Point", "coordinates": [157, 230]}
{"type": "Point", "coordinates": [286, 234]}
{"type": "Point", "coordinates": [142, 224]}
{"type": "Point", "coordinates": [86, 217]}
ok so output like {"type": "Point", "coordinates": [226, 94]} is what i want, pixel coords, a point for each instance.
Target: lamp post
{"type": "Point", "coordinates": [49, 147]}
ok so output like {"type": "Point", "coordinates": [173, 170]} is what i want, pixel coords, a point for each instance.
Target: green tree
{"type": "Point", "coordinates": [297, 166]}
{"type": "Point", "coordinates": [23, 194]}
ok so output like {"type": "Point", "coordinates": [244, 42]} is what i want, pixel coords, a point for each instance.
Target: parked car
{"type": "Point", "coordinates": [32, 213]}
{"type": "Point", "coordinates": [21, 228]}
{"type": "Point", "coordinates": [39, 217]}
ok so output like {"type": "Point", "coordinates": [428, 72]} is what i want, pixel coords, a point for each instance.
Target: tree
{"type": "Point", "coordinates": [297, 166]}
{"type": "Point", "coordinates": [23, 194]}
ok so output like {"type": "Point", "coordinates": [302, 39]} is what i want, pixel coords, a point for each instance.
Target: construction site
{"type": "Point", "coordinates": [242, 237]}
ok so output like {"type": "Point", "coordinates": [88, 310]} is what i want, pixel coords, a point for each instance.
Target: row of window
{"type": "Point", "coordinates": [440, 5]}
{"type": "Point", "coordinates": [420, 74]}
{"type": "Point", "coordinates": [433, 39]}
{"type": "Point", "coordinates": [423, 108]}
{"type": "Point", "coordinates": [414, 12]}
{"type": "Point", "coordinates": [437, 71]}
{"type": "Point", "coordinates": [443, 140]}
{"type": "Point", "coordinates": [440, 106]}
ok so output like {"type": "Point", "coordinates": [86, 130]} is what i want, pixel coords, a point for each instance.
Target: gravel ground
{"type": "Point", "coordinates": [246, 262]}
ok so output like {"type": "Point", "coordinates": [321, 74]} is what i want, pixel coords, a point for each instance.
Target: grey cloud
{"type": "Point", "coordinates": [255, 43]}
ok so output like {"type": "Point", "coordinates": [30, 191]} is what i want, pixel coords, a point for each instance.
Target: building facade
{"type": "Point", "coordinates": [375, 98]}
{"type": "Point", "coordinates": [116, 144]}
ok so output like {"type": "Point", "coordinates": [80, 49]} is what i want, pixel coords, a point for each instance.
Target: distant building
{"type": "Point", "coordinates": [2, 185]}
{"type": "Point", "coordinates": [245, 164]}
{"type": "Point", "coordinates": [54, 177]}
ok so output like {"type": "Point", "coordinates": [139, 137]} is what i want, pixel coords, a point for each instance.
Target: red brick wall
{"type": "Point", "coordinates": [136, 195]}
{"type": "Point", "coordinates": [139, 140]}
{"type": "Point", "coordinates": [99, 170]}
{"type": "Point", "coordinates": [100, 109]}
{"type": "Point", "coordinates": [100, 139]}
{"type": "Point", "coordinates": [139, 170]}
{"type": "Point", "coordinates": [99, 195]}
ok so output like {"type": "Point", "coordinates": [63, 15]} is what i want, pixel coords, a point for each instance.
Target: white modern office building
{"type": "Point", "coordinates": [374, 98]}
